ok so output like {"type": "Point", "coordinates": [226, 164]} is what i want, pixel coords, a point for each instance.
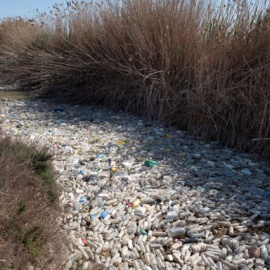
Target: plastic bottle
{"type": "Point", "coordinates": [191, 240]}
{"type": "Point", "coordinates": [132, 228]}
{"type": "Point", "coordinates": [150, 163]}
{"type": "Point", "coordinates": [93, 177]}
{"type": "Point", "coordinates": [172, 215]}
{"type": "Point", "coordinates": [136, 203]}
{"type": "Point", "coordinates": [177, 232]}
{"type": "Point", "coordinates": [104, 214]}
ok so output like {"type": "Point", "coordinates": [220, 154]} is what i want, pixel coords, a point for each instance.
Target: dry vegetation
{"type": "Point", "coordinates": [190, 64]}
{"type": "Point", "coordinates": [28, 209]}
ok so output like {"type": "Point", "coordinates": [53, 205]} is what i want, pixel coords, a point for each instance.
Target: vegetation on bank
{"type": "Point", "coordinates": [28, 208]}
{"type": "Point", "coordinates": [191, 64]}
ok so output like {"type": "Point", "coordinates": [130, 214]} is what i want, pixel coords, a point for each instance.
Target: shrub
{"type": "Point", "coordinates": [29, 231]}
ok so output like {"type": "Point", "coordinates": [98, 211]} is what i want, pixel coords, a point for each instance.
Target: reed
{"type": "Point", "coordinates": [189, 64]}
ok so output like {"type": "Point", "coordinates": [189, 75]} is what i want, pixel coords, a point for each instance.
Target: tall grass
{"type": "Point", "coordinates": [190, 64]}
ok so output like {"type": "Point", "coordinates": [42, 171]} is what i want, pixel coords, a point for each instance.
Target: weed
{"type": "Point", "coordinates": [33, 240]}
{"type": "Point", "coordinates": [21, 207]}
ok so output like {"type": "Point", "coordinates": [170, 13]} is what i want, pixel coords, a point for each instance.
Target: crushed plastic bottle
{"type": "Point", "coordinates": [177, 232]}
{"type": "Point", "coordinates": [132, 228]}
{"type": "Point", "coordinates": [150, 163]}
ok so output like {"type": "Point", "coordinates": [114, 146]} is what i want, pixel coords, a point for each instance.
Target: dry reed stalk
{"type": "Point", "coordinates": [194, 65]}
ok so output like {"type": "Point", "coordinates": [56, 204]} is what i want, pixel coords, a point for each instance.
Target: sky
{"type": "Point", "coordinates": [26, 8]}
{"type": "Point", "coordinates": [12, 8]}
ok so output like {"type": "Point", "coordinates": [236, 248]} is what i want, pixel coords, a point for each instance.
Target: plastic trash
{"type": "Point", "coordinates": [132, 228]}
{"type": "Point", "coordinates": [172, 215]}
{"type": "Point", "coordinates": [197, 235]}
{"type": "Point", "coordinates": [58, 110]}
{"type": "Point", "coordinates": [83, 200]}
{"type": "Point", "coordinates": [266, 194]}
{"type": "Point", "coordinates": [94, 215]}
{"type": "Point", "coordinates": [71, 196]}
{"type": "Point", "coordinates": [86, 179]}
{"type": "Point", "coordinates": [93, 177]}
{"type": "Point", "coordinates": [140, 211]}
{"type": "Point", "coordinates": [143, 232]}
{"type": "Point", "coordinates": [77, 207]}
{"type": "Point", "coordinates": [136, 203]}
{"type": "Point", "coordinates": [128, 204]}
{"type": "Point", "coordinates": [150, 163]}
{"type": "Point", "coordinates": [80, 242]}
{"type": "Point", "coordinates": [191, 240]}
{"type": "Point", "coordinates": [113, 148]}
{"type": "Point", "coordinates": [200, 188]}
{"type": "Point", "coordinates": [169, 136]}
{"type": "Point", "coordinates": [204, 210]}
{"type": "Point", "coordinates": [84, 241]}
{"type": "Point", "coordinates": [114, 169]}
{"type": "Point", "coordinates": [122, 142]}
{"type": "Point", "coordinates": [79, 191]}
{"type": "Point", "coordinates": [177, 232]}
{"type": "Point", "coordinates": [246, 172]}
{"type": "Point", "coordinates": [71, 204]}
{"type": "Point", "coordinates": [101, 204]}
{"type": "Point", "coordinates": [104, 214]}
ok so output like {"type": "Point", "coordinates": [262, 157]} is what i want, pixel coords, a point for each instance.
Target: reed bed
{"type": "Point", "coordinates": [193, 64]}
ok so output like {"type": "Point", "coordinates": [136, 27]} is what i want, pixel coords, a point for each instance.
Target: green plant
{"type": "Point", "coordinates": [33, 239]}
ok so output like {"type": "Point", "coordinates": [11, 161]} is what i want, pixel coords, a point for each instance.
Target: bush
{"type": "Point", "coordinates": [193, 65]}
{"type": "Point", "coordinates": [28, 206]}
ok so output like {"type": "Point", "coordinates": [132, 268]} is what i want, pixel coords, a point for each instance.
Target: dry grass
{"type": "Point", "coordinates": [15, 95]}
{"type": "Point", "coordinates": [190, 64]}
{"type": "Point", "coordinates": [28, 208]}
